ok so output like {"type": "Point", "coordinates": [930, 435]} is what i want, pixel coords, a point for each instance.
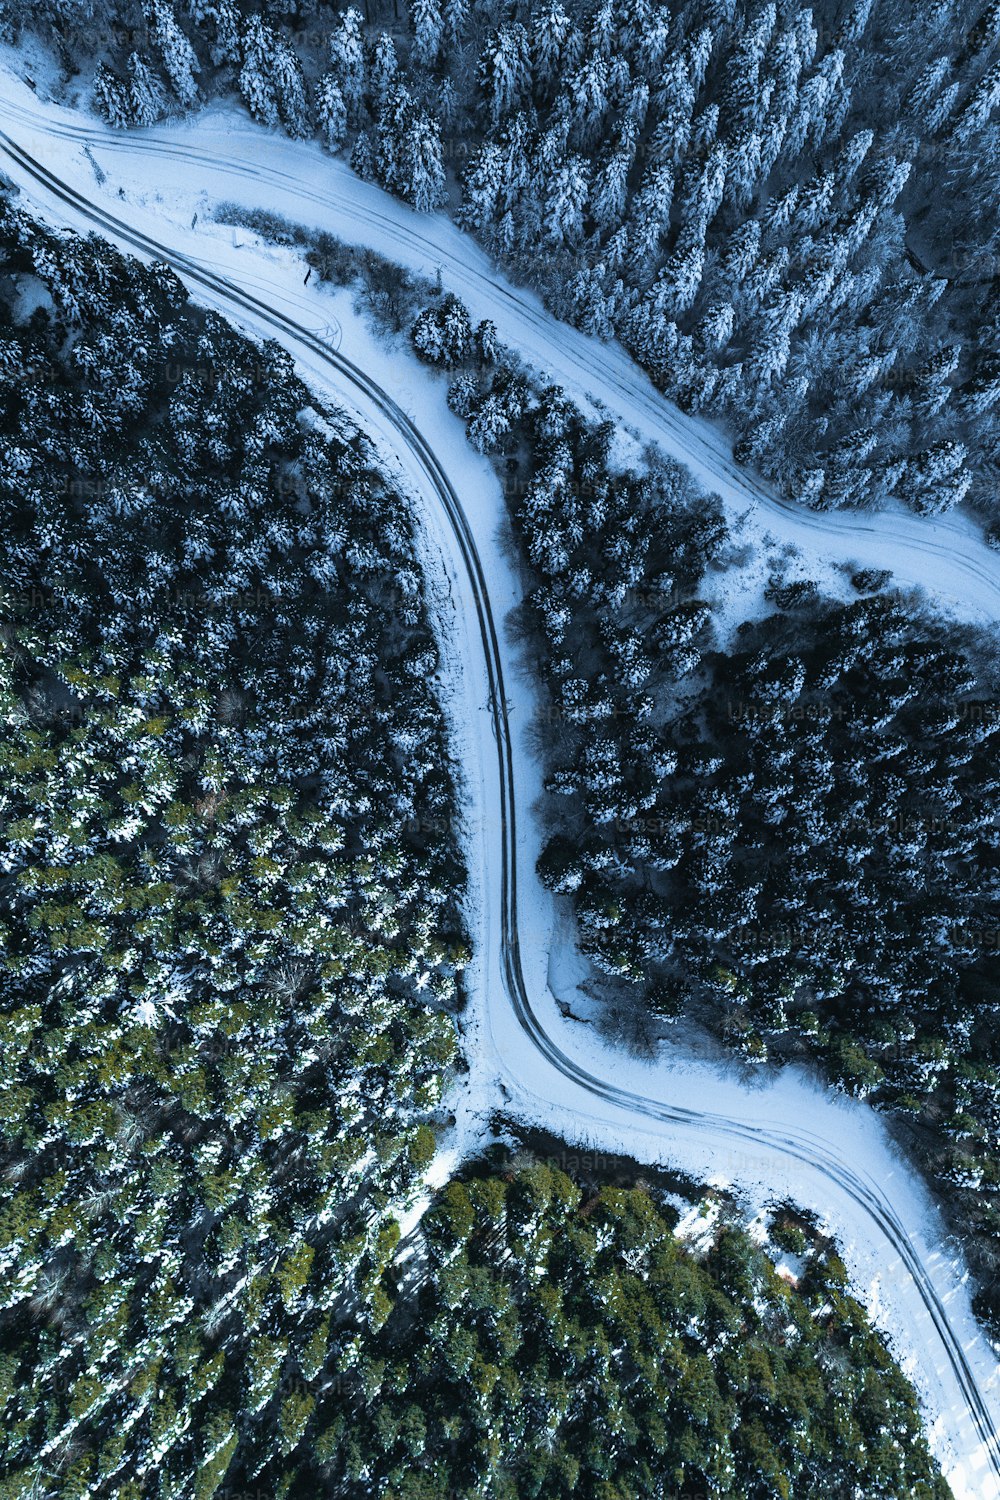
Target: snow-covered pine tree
{"type": "Point", "coordinates": [565, 201]}
{"type": "Point", "coordinates": [427, 337]}
{"type": "Point", "coordinates": [447, 106]}
{"type": "Point", "coordinates": [853, 23]}
{"type": "Point", "coordinates": [331, 112]}
{"type": "Point", "coordinates": [443, 335]}
{"type": "Point", "coordinates": [487, 343]}
{"type": "Point", "coordinates": [787, 56]}
{"type": "Point", "coordinates": [289, 87]}
{"type": "Point", "coordinates": [178, 56]}
{"type": "Point", "coordinates": [715, 328]}
{"type": "Point", "coordinates": [702, 198]}
{"type": "Point", "coordinates": [608, 197]}
{"type": "Point", "coordinates": [981, 104]}
{"type": "Point", "coordinates": [602, 34]}
{"type": "Point", "coordinates": [926, 88]}
{"type": "Point", "coordinates": [743, 101]}
{"type": "Point", "coordinates": [556, 45]}
{"type": "Point", "coordinates": [113, 98]}
{"type": "Point", "coordinates": [504, 72]}
{"type": "Point", "coordinates": [428, 31]}
{"type": "Point", "coordinates": [816, 103]}
{"type": "Point", "coordinates": [347, 59]}
{"type": "Point", "coordinates": [770, 346]}
{"type": "Point", "coordinates": [587, 87]}
{"type": "Point", "coordinates": [981, 393]}
{"type": "Point", "coordinates": [363, 157]}
{"type": "Point", "coordinates": [384, 68]}
{"type": "Point", "coordinates": [456, 20]}
{"type": "Point", "coordinates": [420, 170]}
{"type": "Point", "coordinates": [678, 281]}
{"type": "Point", "coordinates": [932, 385]}
{"type": "Point", "coordinates": [674, 101]}
{"type": "Point", "coordinates": [483, 188]}
{"type": "Point", "coordinates": [271, 80]}
{"type": "Point", "coordinates": [590, 306]}
{"type": "Point", "coordinates": [649, 218]}
{"type": "Point", "coordinates": [221, 20]}
{"type": "Point", "coordinates": [146, 90]}
{"type": "Point", "coordinates": [408, 153]}
{"type": "Point", "coordinates": [256, 83]}
{"type": "Point", "coordinates": [936, 478]}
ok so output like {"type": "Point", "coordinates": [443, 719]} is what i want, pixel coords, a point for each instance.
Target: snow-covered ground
{"type": "Point", "coordinates": [186, 166]}
{"type": "Point", "coordinates": [787, 1139]}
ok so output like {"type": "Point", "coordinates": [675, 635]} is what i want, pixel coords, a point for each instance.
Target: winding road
{"type": "Point", "coordinates": [791, 1138]}
{"type": "Point", "coordinates": [223, 156]}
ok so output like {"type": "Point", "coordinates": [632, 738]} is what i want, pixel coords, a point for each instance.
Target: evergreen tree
{"type": "Point", "coordinates": [384, 68]}
{"type": "Point", "coordinates": [504, 71]}
{"type": "Point", "coordinates": [408, 152]}
{"type": "Point", "coordinates": [428, 31]}
{"type": "Point", "coordinates": [347, 59]}
{"type": "Point", "coordinates": [179, 61]}
{"type": "Point", "coordinates": [256, 82]}
{"type": "Point", "coordinates": [331, 112]}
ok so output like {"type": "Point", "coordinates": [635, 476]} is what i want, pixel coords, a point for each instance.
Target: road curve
{"type": "Point", "coordinates": [815, 1152]}
{"type": "Point", "coordinates": [229, 157]}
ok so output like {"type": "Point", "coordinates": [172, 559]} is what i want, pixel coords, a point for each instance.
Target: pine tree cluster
{"type": "Point", "coordinates": [230, 932]}
{"type": "Point", "coordinates": [562, 1342]}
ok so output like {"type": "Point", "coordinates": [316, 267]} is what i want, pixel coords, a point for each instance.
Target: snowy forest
{"type": "Point", "coordinates": [577, 1348]}
{"type": "Point", "coordinates": [789, 835]}
{"type": "Point", "coordinates": [232, 957]}
{"type": "Point", "coordinates": [232, 943]}
{"type": "Point", "coordinates": [247, 1248]}
{"type": "Point", "coordinates": [747, 196]}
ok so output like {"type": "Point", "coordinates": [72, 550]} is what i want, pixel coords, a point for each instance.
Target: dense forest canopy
{"type": "Point", "coordinates": [790, 834]}
{"type": "Point", "coordinates": [229, 890]}
{"type": "Point", "coordinates": [231, 940]}
{"type": "Point", "coordinates": [567, 1344]}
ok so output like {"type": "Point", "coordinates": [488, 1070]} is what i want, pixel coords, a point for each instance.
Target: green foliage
{"type": "Point", "coordinates": [217, 768]}
{"type": "Point", "coordinates": [599, 1358]}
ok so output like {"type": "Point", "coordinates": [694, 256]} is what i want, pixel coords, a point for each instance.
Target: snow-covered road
{"type": "Point", "coordinates": [786, 1139]}
{"type": "Point", "coordinates": [223, 156]}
